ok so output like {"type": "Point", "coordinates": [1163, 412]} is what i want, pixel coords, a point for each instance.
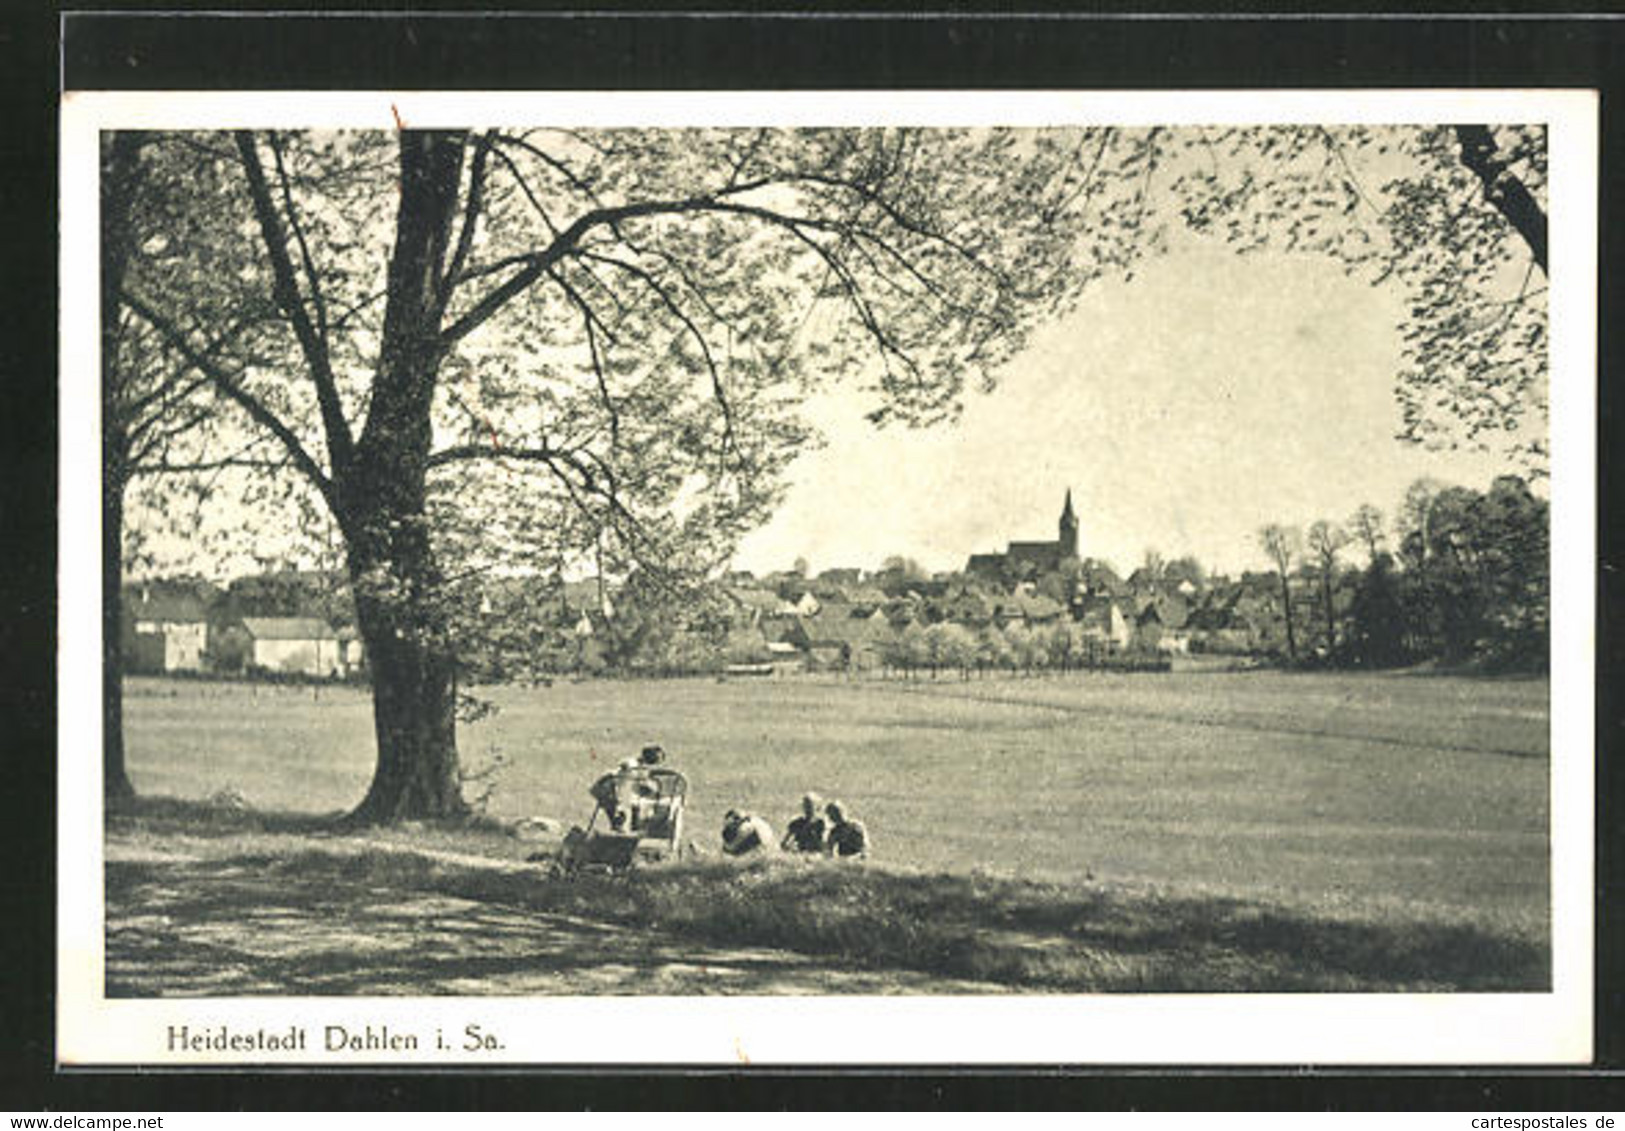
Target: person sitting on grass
{"type": "Point", "coordinates": [846, 837]}
{"type": "Point", "coordinates": [808, 831]}
{"type": "Point", "coordinates": [745, 833]}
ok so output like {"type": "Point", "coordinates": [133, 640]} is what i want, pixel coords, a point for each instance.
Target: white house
{"type": "Point", "coordinates": [1103, 620]}
{"type": "Point", "coordinates": [806, 605]}
{"type": "Point", "coordinates": [302, 645]}
{"type": "Point", "coordinates": [167, 629]}
{"type": "Point", "coordinates": [184, 642]}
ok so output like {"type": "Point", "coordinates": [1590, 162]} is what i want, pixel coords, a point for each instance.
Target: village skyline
{"type": "Point", "coordinates": [1272, 404]}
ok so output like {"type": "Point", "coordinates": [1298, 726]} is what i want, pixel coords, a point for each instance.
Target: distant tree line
{"type": "Point", "coordinates": [1466, 582]}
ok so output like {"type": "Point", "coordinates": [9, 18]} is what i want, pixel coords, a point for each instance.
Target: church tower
{"type": "Point", "coordinates": [1069, 529]}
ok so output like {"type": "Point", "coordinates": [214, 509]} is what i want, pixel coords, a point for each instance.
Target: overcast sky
{"type": "Point", "coordinates": [1211, 394]}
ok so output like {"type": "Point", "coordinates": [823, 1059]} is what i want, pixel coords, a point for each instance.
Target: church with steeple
{"type": "Point", "coordinates": [1022, 560]}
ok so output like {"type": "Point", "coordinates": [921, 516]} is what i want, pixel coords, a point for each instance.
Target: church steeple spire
{"type": "Point", "coordinates": [1069, 528]}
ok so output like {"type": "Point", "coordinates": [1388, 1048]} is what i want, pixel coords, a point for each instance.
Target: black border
{"type": "Point", "coordinates": [708, 50]}
{"type": "Point", "coordinates": [714, 50]}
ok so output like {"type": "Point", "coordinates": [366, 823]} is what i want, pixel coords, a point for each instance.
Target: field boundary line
{"type": "Point", "coordinates": [1220, 724]}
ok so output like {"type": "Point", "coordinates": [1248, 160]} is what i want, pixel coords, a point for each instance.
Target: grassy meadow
{"type": "Point", "coordinates": [1421, 795]}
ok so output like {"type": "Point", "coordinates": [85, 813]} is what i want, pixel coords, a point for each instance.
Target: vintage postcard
{"type": "Point", "coordinates": [862, 578]}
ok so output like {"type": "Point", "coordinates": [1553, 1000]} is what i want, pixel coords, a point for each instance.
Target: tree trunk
{"type": "Point", "coordinates": [121, 177]}
{"type": "Point", "coordinates": [382, 502]}
{"type": "Point", "coordinates": [1286, 611]}
{"type": "Point", "coordinates": [396, 585]}
{"type": "Point", "coordinates": [1331, 613]}
{"type": "Point", "coordinates": [115, 780]}
{"type": "Point", "coordinates": [417, 774]}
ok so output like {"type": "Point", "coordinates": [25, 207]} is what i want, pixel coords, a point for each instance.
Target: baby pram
{"type": "Point", "coordinates": [651, 829]}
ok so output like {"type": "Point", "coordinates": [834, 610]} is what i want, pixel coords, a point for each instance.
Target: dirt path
{"type": "Point", "coordinates": [192, 920]}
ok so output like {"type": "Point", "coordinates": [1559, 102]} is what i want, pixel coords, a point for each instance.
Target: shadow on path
{"type": "Point", "coordinates": [200, 903]}
{"type": "Point", "coordinates": [238, 926]}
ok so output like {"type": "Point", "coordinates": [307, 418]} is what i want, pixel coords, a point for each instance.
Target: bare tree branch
{"type": "Point", "coordinates": [471, 215]}
{"type": "Point", "coordinates": [729, 440]}
{"type": "Point", "coordinates": [536, 265]}
{"type": "Point", "coordinates": [855, 298]}
{"type": "Point", "coordinates": [238, 458]}
{"type": "Point", "coordinates": [562, 464]}
{"type": "Point", "coordinates": [151, 438]}
{"type": "Point", "coordinates": [589, 320]}
{"type": "Point", "coordinates": [1348, 170]}
{"type": "Point", "coordinates": [340, 444]}
{"type": "Point", "coordinates": [555, 164]}
{"type": "Point", "coordinates": [233, 391]}
{"type": "Point", "coordinates": [311, 276]}
{"type": "Point", "coordinates": [524, 187]}
{"type": "Point", "coordinates": [343, 320]}
{"type": "Point", "coordinates": [756, 142]}
{"type": "Point", "coordinates": [172, 389]}
{"type": "Point", "coordinates": [871, 196]}
{"type": "Point", "coordinates": [146, 469]}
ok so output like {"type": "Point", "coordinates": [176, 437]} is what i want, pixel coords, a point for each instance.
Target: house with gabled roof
{"type": "Point", "coordinates": [1098, 578]}
{"type": "Point", "coordinates": [1143, 582]}
{"type": "Point", "coordinates": [966, 605]}
{"type": "Point", "coordinates": [166, 625]}
{"type": "Point", "coordinates": [752, 604]}
{"type": "Point", "coordinates": [804, 603]}
{"type": "Point", "coordinates": [867, 598]}
{"type": "Point", "coordinates": [1218, 623]}
{"type": "Point", "coordinates": [300, 646]}
{"type": "Point", "coordinates": [780, 629]}
{"type": "Point", "coordinates": [902, 611]}
{"type": "Point", "coordinates": [1176, 633]}
{"type": "Point", "coordinates": [1101, 619]}
{"type": "Point", "coordinates": [1026, 607]}
{"type": "Point", "coordinates": [842, 635]}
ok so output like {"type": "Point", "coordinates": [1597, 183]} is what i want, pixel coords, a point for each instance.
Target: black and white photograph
{"type": "Point", "coordinates": [740, 577]}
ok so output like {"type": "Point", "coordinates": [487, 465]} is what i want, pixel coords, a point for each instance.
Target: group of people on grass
{"type": "Point", "coordinates": [824, 830]}
{"type": "Point", "coordinates": [839, 835]}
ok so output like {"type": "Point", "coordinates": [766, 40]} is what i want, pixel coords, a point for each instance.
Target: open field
{"type": "Point", "coordinates": [1422, 794]}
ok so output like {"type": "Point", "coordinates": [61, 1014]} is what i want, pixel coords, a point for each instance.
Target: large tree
{"type": "Point", "coordinates": [1377, 616]}
{"type": "Point", "coordinates": [1365, 525]}
{"type": "Point", "coordinates": [1325, 541]}
{"type": "Point", "coordinates": [120, 182]}
{"type": "Point", "coordinates": [596, 341]}
{"type": "Point", "coordinates": [1281, 545]}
